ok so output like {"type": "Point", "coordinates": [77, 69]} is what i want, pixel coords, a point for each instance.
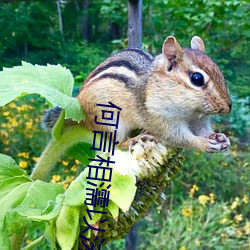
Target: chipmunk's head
{"type": "Point", "coordinates": [198, 77]}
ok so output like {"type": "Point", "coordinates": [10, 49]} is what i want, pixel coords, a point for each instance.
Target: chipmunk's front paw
{"type": "Point", "coordinates": [217, 142]}
{"type": "Point", "coordinates": [141, 139]}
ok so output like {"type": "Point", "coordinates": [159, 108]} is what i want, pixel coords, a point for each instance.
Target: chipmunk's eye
{"type": "Point", "coordinates": [197, 79]}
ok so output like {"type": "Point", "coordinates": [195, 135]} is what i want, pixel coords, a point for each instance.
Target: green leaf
{"type": "Point", "coordinates": [39, 194]}
{"type": "Point", "coordinates": [44, 217]}
{"type": "Point", "coordinates": [67, 225]}
{"type": "Point", "coordinates": [50, 234]}
{"type": "Point", "coordinates": [113, 209]}
{"type": "Point", "coordinates": [53, 82]}
{"type": "Point", "coordinates": [4, 240]}
{"type": "Point", "coordinates": [75, 195]}
{"type": "Point", "coordinates": [27, 200]}
{"type": "Point", "coordinates": [9, 184]}
{"type": "Point", "coordinates": [14, 198]}
{"type": "Point", "coordinates": [82, 152]}
{"type": "Point", "coordinates": [8, 220]}
{"type": "Point", "coordinates": [95, 216]}
{"type": "Point", "coordinates": [34, 243]}
{"type": "Point", "coordinates": [122, 190]}
{"type": "Point", "coordinates": [20, 197]}
{"type": "Point", "coordinates": [9, 168]}
{"type": "Point", "coordinates": [14, 223]}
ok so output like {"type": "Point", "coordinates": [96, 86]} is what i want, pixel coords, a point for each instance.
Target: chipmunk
{"type": "Point", "coordinates": [170, 96]}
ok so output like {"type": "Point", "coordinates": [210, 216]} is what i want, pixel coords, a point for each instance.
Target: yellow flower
{"type": "Point", "coordinates": [197, 242]}
{"type": "Point", "coordinates": [245, 199]}
{"type": "Point", "coordinates": [223, 220]}
{"type": "Point", "coordinates": [35, 159]}
{"type": "Point", "coordinates": [4, 134]}
{"type": "Point", "coordinates": [29, 135]}
{"type": "Point", "coordinates": [235, 203]}
{"type": "Point", "coordinates": [203, 199]}
{"type": "Point", "coordinates": [70, 178]}
{"type": "Point", "coordinates": [65, 185]}
{"type": "Point", "coordinates": [238, 233]}
{"type": "Point", "coordinates": [6, 149]}
{"type": "Point", "coordinates": [247, 227]}
{"type": "Point", "coordinates": [183, 248]}
{"type": "Point", "coordinates": [77, 162]}
{"type": "Point", "coordinates": [187, 211]}
{"type": "Point", "coordinates": [211, 195]}
{"type": "Point", "coordinates": [234, 152]}
{"type": "Point", "coordinates": [193, 190]}
{"type": "Point", "coordinates": [29, 124]}
{"type": "Point", "coordinates": [23, 164]}
{"type": "Point", "coordinates": [6, 141]}
{"type": "Point", "coordinates": [23, 107]}
{"type": "Point", "coordinates": [73, 168]}
{"type": "Point", "coordinates": [14, 123]}
{"type": "Point", "coordinates": [6, 113]}
{"type": "Point", "coordinates": [238, 218]}
{"type": "Point", "coordinates": [225, 164]}
{"type": "Point", "coordinates": [223, 235]}
{"type": "Point", "coordinates": [12, 105]}
{"type": "Point", "coordinates": [55, 178]}
{"type": "Point", "coordinates": [65, 163]}
{"type": "Point", "coordinates": [238, 159]}
{"type": "Point", "coordinates": [24, 154]}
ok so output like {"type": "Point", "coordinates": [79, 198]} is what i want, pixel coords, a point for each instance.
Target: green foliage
{"type": "Point", "coordinates": [19, 198]}
{"type": "Point", "coordinates": [82, 152]}
{"type": "Point", "coordinates": [232, 166]}
{"type": "Point", "coordinates": [238, 121]}
{"type": "Point", "coordinates": [222, 24]}
{"type": "Point", "coordinates": [198, 224]}
{"type": "Point", "coordinates": [52, 82]}
{"type": "Point", "coordinates": [81, 58]}
{"type": "Point", "coordinates": [24, 200]}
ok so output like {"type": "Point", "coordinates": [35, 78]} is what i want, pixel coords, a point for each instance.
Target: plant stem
{"type": "Point", "coordinates": [16, 240]}
{"type": "Point", "coordinates": [52, 153]}
{"type": "Point", "coordinates": [57, 147]}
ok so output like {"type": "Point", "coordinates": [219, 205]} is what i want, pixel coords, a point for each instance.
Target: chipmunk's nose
{"type": "Point", "coordinates": [227, 108]}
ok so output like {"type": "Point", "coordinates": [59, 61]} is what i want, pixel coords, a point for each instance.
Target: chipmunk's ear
{"type": "Point", "coordinates": [197, 43]}
{"type": "Point", "coordinates": [171, 49]}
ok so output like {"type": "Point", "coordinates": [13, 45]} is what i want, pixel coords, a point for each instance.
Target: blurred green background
{"type": "Point", "coordinates": [207, 206]}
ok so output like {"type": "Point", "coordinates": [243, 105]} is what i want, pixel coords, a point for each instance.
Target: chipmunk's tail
{"type": "Point", "coordinates": [50, 117]}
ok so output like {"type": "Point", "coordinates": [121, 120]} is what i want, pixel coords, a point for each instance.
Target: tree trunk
{"type": "Point", "coordinates": [59, 16]}
{"type": "Point", "coordinates": [85, 23]}
{"type": "Point", "coordinates": [135, 23]}
{"type": "Point", "coordinates": [131, 238]}
{"type": "Point", "coordinates": [134, 41]}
